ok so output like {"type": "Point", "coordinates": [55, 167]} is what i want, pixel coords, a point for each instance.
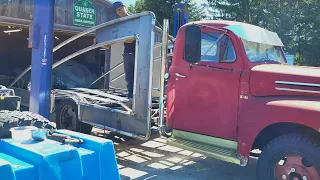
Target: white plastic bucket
{"type": "Point", "coordinates": [22, 132]}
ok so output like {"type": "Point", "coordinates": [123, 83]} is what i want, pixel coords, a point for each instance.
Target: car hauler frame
{"type": "Point", "coordinates": [105, 108]}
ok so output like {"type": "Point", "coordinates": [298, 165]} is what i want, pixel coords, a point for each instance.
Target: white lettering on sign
{"type": "Point", "coordinates": [44, 60]}
{"type": "Point", "coordinates": [84, 13]}
{"type": "Point", "coordinates": [84, 21]}
{"type": "Point", "coordinates": [84, 9]}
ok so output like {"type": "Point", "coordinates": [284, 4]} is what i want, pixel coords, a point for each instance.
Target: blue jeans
{"type": "Point", "coordinates": [128, 62]}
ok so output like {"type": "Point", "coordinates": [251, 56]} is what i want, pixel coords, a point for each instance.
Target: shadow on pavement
{"type": "Point", "coordinates": [153, 159]}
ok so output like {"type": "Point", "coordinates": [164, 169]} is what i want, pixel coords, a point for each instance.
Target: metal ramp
{"type": "Point", "coordinates": [114, 98]}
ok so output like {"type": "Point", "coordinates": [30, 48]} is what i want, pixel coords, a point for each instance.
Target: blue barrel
{"type": "Point", "coordinates": [51, 160]}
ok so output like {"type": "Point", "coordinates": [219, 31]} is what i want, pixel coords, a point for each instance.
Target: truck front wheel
{"type": "Point", "coordinates": [291, 157]}
{"type": "Point", "coordinates": [67, 117]}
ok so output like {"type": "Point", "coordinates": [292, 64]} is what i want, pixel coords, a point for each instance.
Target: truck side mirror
{"type": "Point", "coordinates": [192, 44]}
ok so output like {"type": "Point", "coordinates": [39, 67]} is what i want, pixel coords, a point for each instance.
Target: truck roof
{"type": "Point", "coordinates": [217, 23]}
{"type": "Point", "coordinates": [245, 31]}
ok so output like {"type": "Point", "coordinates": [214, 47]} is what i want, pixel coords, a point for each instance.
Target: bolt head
{"type": "Point", "coordinates": [293, 170]}
{"type": "Point", "coordinates": [284, 177]}
{"type": "Point", "coordinates": [304, 178]}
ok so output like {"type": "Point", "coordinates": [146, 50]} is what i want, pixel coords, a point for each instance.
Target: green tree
{"type": "Point", "coordinates": [297, 23]}
{"type": "Point", "coordinates": [234, 9]}
{"type": "Point", "coordinates": [163, 9]}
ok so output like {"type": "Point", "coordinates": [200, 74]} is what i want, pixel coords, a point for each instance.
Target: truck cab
{"type": "Point", "coordinates": [230, 91]}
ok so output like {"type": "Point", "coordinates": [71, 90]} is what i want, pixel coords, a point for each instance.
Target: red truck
{"type": "Point", "coordinates": [230, 91]}
{"type": "Point", "coordinates": [229, 94]}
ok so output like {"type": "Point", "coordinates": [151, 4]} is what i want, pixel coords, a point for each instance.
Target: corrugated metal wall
{"type": "Point", "coordinates": [23, 9]}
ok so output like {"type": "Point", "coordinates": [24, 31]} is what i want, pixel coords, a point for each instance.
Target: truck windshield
{"type": "Point", "coordinates": [257, 52]}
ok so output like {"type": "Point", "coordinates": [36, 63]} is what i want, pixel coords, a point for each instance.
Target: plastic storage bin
{"type": "Point", "coordinates": [51, 160]}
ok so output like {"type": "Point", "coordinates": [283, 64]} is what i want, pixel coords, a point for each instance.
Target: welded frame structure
{"type": "Point", "coordinates": [106, 109]}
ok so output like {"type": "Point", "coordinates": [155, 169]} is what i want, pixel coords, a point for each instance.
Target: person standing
{"type": "Point", "coordinates": [129, 52]}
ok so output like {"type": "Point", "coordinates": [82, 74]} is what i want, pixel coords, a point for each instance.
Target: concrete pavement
{"type": "Point", "coordinates": [155, 160]}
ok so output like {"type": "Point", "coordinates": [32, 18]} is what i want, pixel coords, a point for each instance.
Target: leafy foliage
{"type": "Point", "coordinates": [163, 9]}
{"type": "Point", "coordinates": [297, 22]}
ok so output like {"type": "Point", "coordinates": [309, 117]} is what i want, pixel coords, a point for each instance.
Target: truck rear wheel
{"type": "Point", "coordinates": [9, 119]}
{"type": "Point", "coordinates": [67, 117]}
{"type": "Point", "coordinates": [291, 157]}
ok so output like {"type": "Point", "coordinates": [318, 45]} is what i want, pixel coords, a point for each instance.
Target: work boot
{"type": "Point", "coordinates": [129, 103]}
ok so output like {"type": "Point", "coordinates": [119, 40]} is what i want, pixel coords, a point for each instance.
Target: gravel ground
{"type": "Point", "coordinates": [154, 159]}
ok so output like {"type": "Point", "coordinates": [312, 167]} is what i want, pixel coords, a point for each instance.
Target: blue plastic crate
{"type": "Point", "coordinates": [51, 160]}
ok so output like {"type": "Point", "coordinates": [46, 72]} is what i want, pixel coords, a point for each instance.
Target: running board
{"type": "Point", "coordinates": [208, 148]}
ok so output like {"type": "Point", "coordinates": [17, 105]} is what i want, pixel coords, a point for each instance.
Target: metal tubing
{"type": "Point", "coordinates": [116, 130]}
{"type": "Point", "coordinates": [118, 65]}
{"type": "Point", "coordinates": [42, 45]}
{"type": "Point", "coordinates": [115, 67]}
{"type": "Point", "coordinates": [126, 18]}
{"type": "Point", "coordinates": [148, 134]}
{"type": "Point", "coordinates": [103, 100]}
{"type": "Point", "coordinates": [101, 93]}
{"type": "Point", "coordinates": [135, 75]}
{"type": "Point", "coordinates": [89, 49]}
{"type": "Point", "coordinates": [117, 77]}
{"type": "Point", "coordinates": [164, 50]}
{"type": "Point", "coordinates": [106, 108]}
{"type": "Point", "coordinates": [135, 16]}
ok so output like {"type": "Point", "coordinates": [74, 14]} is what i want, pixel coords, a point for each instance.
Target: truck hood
{"type": "Point", "coordinates": [280, 79]}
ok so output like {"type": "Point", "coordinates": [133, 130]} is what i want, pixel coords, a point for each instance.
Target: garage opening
{"type": "Point", "coordinates": [79, 72]}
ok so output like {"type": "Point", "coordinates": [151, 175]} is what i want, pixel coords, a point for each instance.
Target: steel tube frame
{"type": "Point", "coordinates": [79, 98]}
{"type": "Point", "coordinates": [142, 101]}
{"type": "Point", "coordinates": [164, 52]}
{"type": "Point", "coordinates": [135, 16]}
{"type": "Point", "coordinates": [89, 49]}
{"type": "Point", "coordinates": [112, 69]}
{"type": "Point", "coordinates": [103, 75]}
{"type": "Point", "coordinates": [115, 130]}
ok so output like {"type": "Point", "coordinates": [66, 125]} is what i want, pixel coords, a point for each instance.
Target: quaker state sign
{"type": "Point", "coordinates": [84, 13]}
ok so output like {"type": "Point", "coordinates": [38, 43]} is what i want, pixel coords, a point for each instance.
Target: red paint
{"type": "Point", "coordinates": [270, 73]}
{"type": "Point", "coordinates": [214, 102]}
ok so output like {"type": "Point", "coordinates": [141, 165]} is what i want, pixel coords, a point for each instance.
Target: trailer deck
{"type": "Point", "coordinates": [112, 99]}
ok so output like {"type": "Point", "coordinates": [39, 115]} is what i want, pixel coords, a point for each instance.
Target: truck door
{"type": "Point", "coordinates": [206, 95]}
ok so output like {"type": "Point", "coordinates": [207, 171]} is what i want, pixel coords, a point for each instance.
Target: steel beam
{"type": "Point", "coordinates": [180, 17]}
{"type": "Point", "coordinates": [42, 45]}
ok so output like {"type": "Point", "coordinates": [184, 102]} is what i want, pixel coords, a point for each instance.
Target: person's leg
{"type": "Point", "coordinates": [128, 60]}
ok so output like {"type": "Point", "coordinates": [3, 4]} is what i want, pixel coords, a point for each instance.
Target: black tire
{"type": "Point", "coordinates": [8, 104]}
{"type": "Point", "coordinates": [60, 114]}
{"type": "Point", "coordinates": [285, 146]}
{"type": "Point", "coordinates": [9, 119]}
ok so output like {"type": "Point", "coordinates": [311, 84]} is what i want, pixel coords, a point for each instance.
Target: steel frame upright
{"type": "Point", "coordinates": [41, 42]}
{"type": "Point", "coordinates": [181, 17]}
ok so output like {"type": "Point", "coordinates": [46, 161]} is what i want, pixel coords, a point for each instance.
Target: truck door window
{"type": "Point", "coordinates": [211, 48]}
{"type": "Point", "coordinates": [227, 53]}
